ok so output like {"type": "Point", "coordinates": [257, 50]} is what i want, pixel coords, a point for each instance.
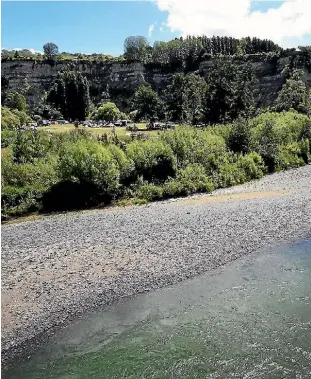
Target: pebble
{"type": "Point", "coordinates": [96, 257]}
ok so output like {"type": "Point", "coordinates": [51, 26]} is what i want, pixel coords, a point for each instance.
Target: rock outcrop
{"type": "Point", "coordinates": [118, 81]}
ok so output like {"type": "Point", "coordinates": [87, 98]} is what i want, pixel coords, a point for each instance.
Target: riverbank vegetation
{"type": "Point", "coordinates": [212, 135]}
{"type": "Point", "coordinates": [44, 172]}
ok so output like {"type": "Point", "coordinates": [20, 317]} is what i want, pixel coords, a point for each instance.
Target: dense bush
{"type": "Point", "coordinates": [59, 140]}
{"type": "Point", "coordinates": [31, 145]}
{"type": "Point", "coordinates": [23, 185]}
{"type": "Point", "coordinates": [154, 160]}
{"type": "Point", "coordinates": [89, 162]}
{"type": "Point", "coordinates": [18, 201]}
{"type": "Point", "coordinates": [265, 143]}
{"type": "Point", "coordinates": [193, 179]}
{"type": "Point", "coordinates": [42, 172]}
{"type": "Point", "coordinates": [238, 169]}
{"type": "Point", "coordinates": [7, 138]}
{"type": "Point", "coordinates": [293, 155]}
{"type": "Point", "coordinates": [287, 126]}
{"type": "Point", "coordinates": [305, 150]}
{"type": "Point", "coordinates": [194, 146]}
{"type": "Point", "coordinates": [12, 118]}
{"type": "Point", "coordinates": [150, 192]}
{"type": "Point", "coordinates": [125, 164]}
{"type": "Point", "coordinates": [305, 133]}
{"type": "Point", "coordinates": [252, 165]}
{"type": "Point", "coordinates": [239, 138]}
{"type": "Point", "coordinates": [190, 180]}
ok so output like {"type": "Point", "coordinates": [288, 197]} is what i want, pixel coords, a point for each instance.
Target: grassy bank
{"type": "Point", "coordinates": [44, 172]}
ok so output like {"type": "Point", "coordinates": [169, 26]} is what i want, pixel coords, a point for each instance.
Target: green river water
{"type": "Point", "coordinates": [249, 319]}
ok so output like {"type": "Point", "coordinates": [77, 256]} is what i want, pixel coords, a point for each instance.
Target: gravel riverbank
{"type": "Point", "coordinates": [57, 267]}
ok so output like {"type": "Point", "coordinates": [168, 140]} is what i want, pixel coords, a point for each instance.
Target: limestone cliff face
{"type": "Point", "coordinates": [269, 75]}
{"type": "Point", "coordinates": [118, 81]}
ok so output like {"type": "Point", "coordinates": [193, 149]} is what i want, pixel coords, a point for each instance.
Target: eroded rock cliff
{"type": "Point", "coordinates": [118, 81]}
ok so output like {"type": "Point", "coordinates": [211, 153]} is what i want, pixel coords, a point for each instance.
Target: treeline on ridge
{"type": "Point", "coordinates": [178, 52]}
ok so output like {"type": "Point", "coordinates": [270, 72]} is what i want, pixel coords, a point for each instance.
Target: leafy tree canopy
{"type": "Point", "coordinates": [13, 118]}
{"type": "Point", "coordinates": [230, 93]}
{"type": "Point", "coordinates": [48, 112]}
{"type": "Point", "coordinates": [135, 48]}
{"type": "Point", "coordinates": [147, 102]}
{"type": "Point", "coordinates": [294, 94]}
{"type": "Point", "coordinates": [50, 50]}
{"type": "Point", "coordinates": [185, 98]}
{"type": "Point", "coordinates": [70, 95]}
{"type": "Point", "coordinates": [108, 112]}
{"type": "Point", "coordinates": [15, 100]}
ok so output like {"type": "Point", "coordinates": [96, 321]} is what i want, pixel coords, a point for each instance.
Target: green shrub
{"type": "Point", "coordinates": [265, 143]}
{"type": "Point", "coordinates": [305, 150]}
{"type": "Point", "coordinates": [89, 162]}
{"type": "Point", "coordinates": [252, 165]}
{"type": "Point", "coordinates": [23, 117]}
{"type": "Point", "coordinates": [41, 174]}
{"type": "Point", "coordinates": [194, 146]}
{"type": "Point", "coordinates": [18, 201]}
{"type": "Point", "coordinates": [238, 169]}
{"type": "Point", "coordinates": [150, 192]}
{"type": "Point", "coordinates": [31, 145]}
{"type": "Point", "coordinates": [23, 185]}
{"type": "Point", "coordinates": [126, 166]}
{"type": "Point", "coordinates": [229, 174]}
{"type": "Point", "coordinates": [9, 120]}
{"type": "Point", "coordinates": [154, 160]}
{"type": "Point", "coordinates": [289, 156]}
{"type": "Point", "coordinates": [239, 139]}
{"type": "Point", "coordinates": [190, 180]}
{"type": "Point", "coordinates": [89, 175]}
{"type": "Point", "coordinates": [193, 179]}
{"type": "Point", "coordinates": [173, 188]}
{"type": "Point", "coordinates": [58, 140]}
{"type": "Point", "coordinates": [305, 133]}
{"type": "Point", "coordinates": [287, 126]}
{"type": "Point", "coordinates": [7, 138]}
{"type": "Point", "coordinates": [221, 130]}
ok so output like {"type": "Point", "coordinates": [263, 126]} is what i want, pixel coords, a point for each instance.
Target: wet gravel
{"type": "Point", "coordinates": [56, 268]}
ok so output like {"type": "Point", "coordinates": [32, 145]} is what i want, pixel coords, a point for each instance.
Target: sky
{"type": "Point", "coordinates": [102, 26]}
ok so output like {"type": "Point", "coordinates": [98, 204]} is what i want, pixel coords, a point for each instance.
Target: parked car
{"type": "Point", "coordinates": [44, 122]}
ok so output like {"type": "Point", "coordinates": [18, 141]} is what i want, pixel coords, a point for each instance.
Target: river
{"type": "Point", "coordinates": [248, 319]}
